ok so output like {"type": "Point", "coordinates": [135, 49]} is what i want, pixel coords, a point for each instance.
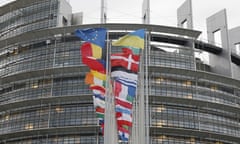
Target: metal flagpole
{"type": "Point", "coordinates": [139, 131]}
{"type": "Point", "coordinates": [135, 128]}
{"type": "Point", "coordinates": [147, 115]}
{"type": "Point", "coordinates": [134, 136]}
{"type": "Point", "coordinates": [113, 128]}
{"type": "Point", "coordinates": [109, 115]}
{"type": "Point", "coordinates": [141, 102]}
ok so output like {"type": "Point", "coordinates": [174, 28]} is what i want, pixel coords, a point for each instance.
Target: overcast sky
{"type": "Point", "coordinates": [163, 12]}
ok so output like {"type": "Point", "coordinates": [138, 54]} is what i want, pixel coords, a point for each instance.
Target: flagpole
{"type": "Point", "coordinates": [113, 128]}
{"type": "Point", "coordinates": [106, 113]}
{"type": "Point", "coordinates": [135, 128]}
{"type": "Point", "coordinates": [147, 116]}
{"type": "Point", "coordinates": [142, 124]}
{"type": "Point", "coordinates": [109, 117]}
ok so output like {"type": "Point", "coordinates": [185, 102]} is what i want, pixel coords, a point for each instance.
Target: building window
{"type": "Point", "coordinates": [64, 21]}
{"type": "Point", "coordinates": [184, 24]}
{"type": "Point", "coordinates": [29, 126]}
{"type": "Point", "coordinates": [237, 48]}
{"type": "Point", "coordinates": [217, 38]}
{"type": "Point", "coordinates": [59, 110]}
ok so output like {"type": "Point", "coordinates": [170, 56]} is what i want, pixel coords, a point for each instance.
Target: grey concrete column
{"type": "Point", "coordinates": [184, 14]}
{"type": "Point", "coordinates": [220, 64]}
{"type": "Point", "coordinates": [103, 11]}
{"type": "Point", "coordinates": [234, 38]}
{"type": "Point", "coordinates": [146, 11]}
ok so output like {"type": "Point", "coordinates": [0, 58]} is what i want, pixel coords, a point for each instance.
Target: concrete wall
{"type": "Point", "coordinates": [184, 14]}
{"type": "Point", "coordinates": [77, 18]}
{"type": "Point", "coordinates": [64, 14]}
{"type": "Point", "coordinates": [220, 64]}
{"type": "Point", "coordinates": [146, 12]}
{"type": "Point", "coordinates": [234, 38]}
{"type": "Point", "coordinates": [103, 16]}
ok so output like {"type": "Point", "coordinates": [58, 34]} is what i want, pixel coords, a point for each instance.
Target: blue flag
{"type": "Point", "coordinates": [93, 35]}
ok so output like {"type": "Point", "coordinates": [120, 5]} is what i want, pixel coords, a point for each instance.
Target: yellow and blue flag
{"type": "Point", "coordinates": [134, 41]}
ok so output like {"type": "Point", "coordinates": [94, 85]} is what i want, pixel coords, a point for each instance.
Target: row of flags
{"type": "Point", "coordinates": [92, 52]}
{"type": "Point", "coordinates": [124, 68]}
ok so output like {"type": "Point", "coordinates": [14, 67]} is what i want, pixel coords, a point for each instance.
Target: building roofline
{"type": "Point", "coordinates": [115, 26]}
{"type": "Point", "coordinates": [17, 4]}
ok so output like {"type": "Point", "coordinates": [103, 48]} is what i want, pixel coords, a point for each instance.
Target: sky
{"type": "Point", "coordinates": [162, 12]}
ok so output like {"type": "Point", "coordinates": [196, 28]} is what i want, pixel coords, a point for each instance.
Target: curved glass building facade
{"type": "Point", "coordinates": [43, 98]}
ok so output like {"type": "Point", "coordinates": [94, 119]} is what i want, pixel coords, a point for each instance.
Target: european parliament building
{"type": "Point", "coordinates": [44, 100]}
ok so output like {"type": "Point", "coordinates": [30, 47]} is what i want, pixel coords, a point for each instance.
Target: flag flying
{"type": "Point", "coordinates": [124, 119]}
{"type": "Point", "coordinates": [96, 36]}
{"type": "Point", "coordinates": [98, 102]}
{"type": "Point", "coordinates": [122, 109]}
{"type": "Point", "coordinates": [123, 73]}
{"type": "Point", "coordinates": [133, 41]}
{"type": "Point", "coordinates": [99, 96]}
{"type": "Point", "coordinates": [124, 89]}
{"type": "Point", "coordinates": [124, 69]}
{"type": "Point", "coordinates": [100, 112]}
{"type": "Point", "coordinates": [100, 92]}
{"type": "Point", "coordinates": [95, 64]}
{"type": "Point", "coordinates": [99, 75]}
{"type": "Point", "coordinates": [127, 82]}
{"type": "Point", "coordinates": [101, 89]}
{"type": "Point", "coordinates": [123, 135]}
{"type": "Point", "coordinates": [126, 60]}
{"type": "Point", "coordinates": [123, 103]}
{"type": "Point", "coordinates": [90, 79]}
{"type": "Point", "coordinates": [99, 105]}
{"type": "Point", "coordinates": [92, 51]}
